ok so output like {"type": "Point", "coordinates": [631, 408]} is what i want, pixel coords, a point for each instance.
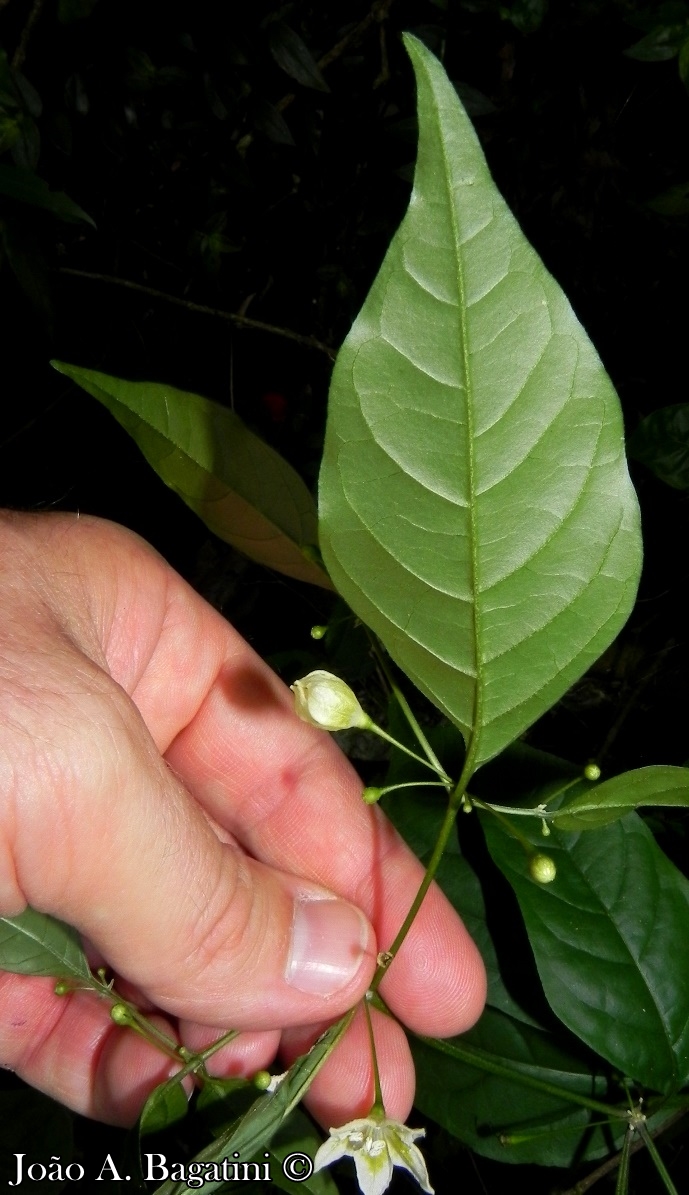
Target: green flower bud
{"type": "Point", "coordinates": [324, 700]}
{"type": "Point", "coordinates": [63, 988]}
{"type": "Point", "coordinates": [542, 869]}
{"type": "Point", "coordinates": [592, 771]}
{"type": "Point", "coordinates": [318, 632]}
{"type": "Point", "coordinates": [261, 1080]}
{"type": "Point", "coordinates": [120, 1014]}
{"type": "Point", "coordinates": [371, 795]}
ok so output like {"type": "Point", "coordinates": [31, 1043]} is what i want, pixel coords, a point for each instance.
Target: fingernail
{"type": "Point", "coordinates": [328, 941]}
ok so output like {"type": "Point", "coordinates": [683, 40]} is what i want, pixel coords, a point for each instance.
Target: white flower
{"type": "Point", "coordinates": [324, 700]}
{"type": "Point", "coordinates": [376, 1146]}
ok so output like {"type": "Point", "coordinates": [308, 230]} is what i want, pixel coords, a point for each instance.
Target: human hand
{"type": "Point", "coordinates": [160, 795]}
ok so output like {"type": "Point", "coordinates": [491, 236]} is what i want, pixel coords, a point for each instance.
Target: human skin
{"type": "Point", "coordinates": [159, 793]}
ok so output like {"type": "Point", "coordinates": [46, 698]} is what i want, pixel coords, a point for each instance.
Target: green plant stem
{"type": "Point", "coordinates": [537, 811]}
{"type": "Point", "coordinates": [474, 1056]}
{"type": "Point", "coordinates": [155, 1036]}
{"type": "Point", "coordinates": [438, 851]}
{"type": "Point", "coordinates": [383, 734]}
{"type": "Point", "coordinates": [657, 1160]}
{"type": "Point", "coordinates": [622, 1184]}
{"type": "Point", "coordinates": [504, 821]}
{"type": "Point", "coordinates": [407, 711]}
{"type": "Point", "coordinates": [378, 1104]}
{"type": "Point", "coordinates": [611, 1164]}
{"type": "Point", "coordinates": [20, 53]}
{"type": "Point", "coordinates": [392, 788]}
{"type": "Point", "coordinates": [232, 317]}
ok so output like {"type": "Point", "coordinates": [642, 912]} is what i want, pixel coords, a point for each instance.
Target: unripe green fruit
{"type": "Point", "coordinates": [120, 1014]}
{"type": "Point", "coordinates": [542, 869]}
{"type": "Point", "coordinates": [261, 1080]}
{"type": "Point", "coordinates": [592, 771]}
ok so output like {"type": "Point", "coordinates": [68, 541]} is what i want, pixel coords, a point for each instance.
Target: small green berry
{"type": "Point", "coordinates": [120, 1014]}
{"type": "Point", "coordinates": [542, 869]}
{"type": "Point", "coordinates": [62, 988]}
{"type": "Point", "coordinates": [261, 1080]}
{"type": "Point", "coordinates": [318, 632]}
{"type": "Point", "coordinates": [371, 795]}
{"type": "Point", "coordinates": [592, 771]}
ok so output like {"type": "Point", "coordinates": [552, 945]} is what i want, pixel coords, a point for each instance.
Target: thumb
{"type": "Point", "coordinates": [127, 856]}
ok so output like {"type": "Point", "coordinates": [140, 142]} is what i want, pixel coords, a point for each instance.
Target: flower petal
{"type": "Point", "coordinates": [373, 1171]}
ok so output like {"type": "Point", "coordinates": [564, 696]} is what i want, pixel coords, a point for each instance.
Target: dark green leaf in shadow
{"type": "Point", "coordinates": [661, 442]}
{"type": "Point", "coordinates": [607, 802]}
{"type": "Point", "coordinates": [244, 491]}
{"type": "Point", "coordinates": [609, 939]}
{"type": "Point", "coordinates": [36, 944]}
{"type": "Point", "coordinates": [660, 44]}
{"type": "Point", "coordinates": [35, 1126]}
{"type": "Point", "coordinates": [271, 123]}
{"type": "Point", "coordinates": [293, 56]}
{"type": "Point", "coordinates": [74, 10]}
{"type": "Point", "coordinates": [26, 187]}
{"type": "Point", "coordinates": [518, 1113]}
{"type": "Point", "coordinates": [476, 510]}
{"type": "Point", "coordinates": [28, 264]}
{"type": "Point", "coordinates": [221, 1102]}
{"type": "Point", "coordinates": [298, 1137]}
{"type": "Point", "coordinates": [526, 15]}
{"type": "Point", "coordinates": [166, 1104]}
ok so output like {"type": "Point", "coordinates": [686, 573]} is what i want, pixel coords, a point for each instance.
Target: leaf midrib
{"type": "Point", "coordinates": [472, 746]}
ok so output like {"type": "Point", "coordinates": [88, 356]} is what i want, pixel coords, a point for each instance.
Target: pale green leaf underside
{"type": "Point", "coordinates": [476, 510]}
{"type": "Point", "coordinates": [244, 491]}
{"type": "Point", "coordinates": [655, 786]}
{"type": "Point", "coordinates": [34, 943]}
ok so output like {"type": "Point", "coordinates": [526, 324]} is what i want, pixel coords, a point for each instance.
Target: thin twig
{"type": "Point", "coordinates": [240, 321]}
{"type": "Point", "coordinates": [612, 1164]}
{"type": "Point", "coordinates": [20, 52]}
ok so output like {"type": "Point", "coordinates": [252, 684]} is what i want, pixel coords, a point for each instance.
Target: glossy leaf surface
{"type": "Point", "coordinates": [607, 802]}
{"type": "Point", "coordinates": [505, 1103]}
{"type": "Point", "coordinates": [244, 491]}
{"type": "Point", "coordinates": [35, 944]}
{"type": "Point", "coordinates": [166, 1104]}
{"type": "Point", "coordinates": [609, 939]}
{"type": "Point", "coordinates": [476, 510]}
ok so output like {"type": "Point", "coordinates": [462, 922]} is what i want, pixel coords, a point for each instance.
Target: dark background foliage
{"type": "Point", "coordinates": [221, 168]}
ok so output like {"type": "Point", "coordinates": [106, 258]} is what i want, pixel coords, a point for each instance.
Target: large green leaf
{"type": "Point", "coordinates": [36, 944]}
{"type": "Point", "coordinates": [243, 490]}
{"type": "Point", "coordinates": [609, 939]}
{"type": "Point", "coordinates": [476, 509]}
{"type": "Point", "coordinates": [26, 187]}
{"type": "Point", "coordinates": [607, 802]}
{"type": "Point", "coordinates": [503, 1088]}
